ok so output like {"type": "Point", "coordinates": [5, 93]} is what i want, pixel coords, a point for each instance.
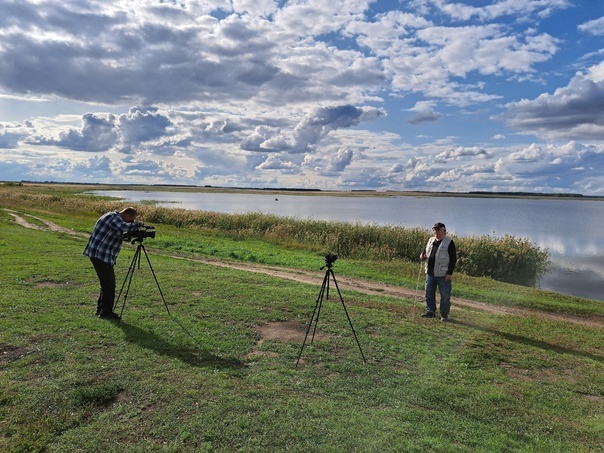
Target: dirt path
{"type": "Point", "coordinates": [378, 288]}
{"type": "Point", "coordinates": [356, 284]}
{"type": "Point", "coordinates": [49, 226]}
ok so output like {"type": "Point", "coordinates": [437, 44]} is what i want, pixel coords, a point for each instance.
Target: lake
{"type": "Point", "coordinates": [571, 229]}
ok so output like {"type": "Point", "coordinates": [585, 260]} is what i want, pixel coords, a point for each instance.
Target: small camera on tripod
{"type": "Point", "coordinates": [330, 259]}
{"type": "Point", "coordinates": [324, 291]}
{"type": "Point", "coordinates": [146, 231]}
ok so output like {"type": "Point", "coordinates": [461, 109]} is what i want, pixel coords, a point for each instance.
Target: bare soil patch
{"type": "Point", "coordinates": [9, 353]}
{"type": "Point", "coordinates": [287, 331]}
{"type": "Point", "coordinates": [47, 285]}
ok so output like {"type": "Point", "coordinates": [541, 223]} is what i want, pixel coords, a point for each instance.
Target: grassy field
{"type": "Point", "coordinates": [218, 371]}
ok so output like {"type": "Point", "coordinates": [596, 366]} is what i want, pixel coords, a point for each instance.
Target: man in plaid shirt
{"type": "Point", "coordinates": [103, 248]}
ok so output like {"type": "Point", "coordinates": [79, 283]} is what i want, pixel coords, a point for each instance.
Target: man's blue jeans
{"type": "Point", "coordinates": [445, 294]}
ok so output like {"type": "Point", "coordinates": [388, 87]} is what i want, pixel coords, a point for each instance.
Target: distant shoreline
{"type": "Point", "coordinates": [318, 192]}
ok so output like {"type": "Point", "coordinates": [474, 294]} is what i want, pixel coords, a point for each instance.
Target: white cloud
{"type": "Point", "coordinates": [13, 133]}
{"type": "Point", "coordinates": [315, 17]}
{"type": "Point", "coordinates": [98, 168]}
{"type": "Point", "coordinates": [522, 8]}
{"type": "Point", "coordinates": [573, 112]}
{"type": "Point", "coordinates": [341, 160]}
{"type": "Point", "coordinates": [310, 130]}
{"type": "Point", "coordinates": [262, 8]}
{"type": "Point", "coordinates": [593, 27]}
{"type": "Point", "coordinates": [462, 153]}
{"type": "Point", "coordinates": [141, 125]}
{"type": "Point", "coordinates": [424, 113]}
{"type": "Point", "coordinates": [596, 73]}
{"type": "Point", "coordinates": [276, 163]}
{"type": "Point", "coordinates": [98, 133]}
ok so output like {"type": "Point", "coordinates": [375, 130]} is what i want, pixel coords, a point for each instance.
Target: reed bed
{"type": "Point", "coordinates": [508, 259]}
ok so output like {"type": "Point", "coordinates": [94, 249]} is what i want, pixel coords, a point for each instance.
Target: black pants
{"type": "Point", "coordinates": [106, 276]}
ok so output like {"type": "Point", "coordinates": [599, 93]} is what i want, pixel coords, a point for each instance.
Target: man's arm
{"type": "Point", "coordinates": [452, 257]}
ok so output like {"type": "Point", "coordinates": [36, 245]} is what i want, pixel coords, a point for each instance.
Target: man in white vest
{"type": "Point", "coordinates": [441, 256]}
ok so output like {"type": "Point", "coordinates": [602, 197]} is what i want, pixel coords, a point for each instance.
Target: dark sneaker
{"type": "Point", "coordinates": [110, 315]}
{"type": "Point", "coordinates": [429, 314]}
{"type": "Point", "coordinates": [444, 317]}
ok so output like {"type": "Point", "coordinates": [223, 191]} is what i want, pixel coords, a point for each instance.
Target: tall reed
{"type": "Point", "coordinates": [508, 259]}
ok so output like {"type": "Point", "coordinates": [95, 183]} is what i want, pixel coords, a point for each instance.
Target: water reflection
{"type": "Point", "coordinates": [569, 229]}
{"type": "Point", "coordinates": [559, 245]}
{"type": "Point", "coordinates": [575, 281]}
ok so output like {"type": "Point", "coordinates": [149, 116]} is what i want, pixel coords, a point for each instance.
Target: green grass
{"type": "Point", "coordinates": [202, 378]}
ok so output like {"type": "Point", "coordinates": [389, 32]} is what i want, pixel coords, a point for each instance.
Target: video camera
{"type": "Point", "coordinates": [146, 231]}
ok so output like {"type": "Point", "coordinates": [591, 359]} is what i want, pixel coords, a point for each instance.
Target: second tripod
{"type": "Point", "coordinates": [134, 264]}
{"type": "Point", "coordinates": [324, 292]}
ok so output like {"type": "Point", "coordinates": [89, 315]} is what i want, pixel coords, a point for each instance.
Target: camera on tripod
{"type": "Point", "coordinates": [330, 258]}
{"type": "Point", "coordinates": [146, 231]}
{"type": "Point", "coordinates": [136, 237]}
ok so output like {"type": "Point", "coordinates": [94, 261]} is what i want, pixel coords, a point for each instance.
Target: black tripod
{"type": "Point", "coordinates": [136, 262]}
{"type": "Point", "coordinates": [324, 291]}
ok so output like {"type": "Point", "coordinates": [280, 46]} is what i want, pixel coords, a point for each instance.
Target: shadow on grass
{"type": "Point", "coordinates": [531, 341]}
{"type": "Point", "coordinates": [193, 356]}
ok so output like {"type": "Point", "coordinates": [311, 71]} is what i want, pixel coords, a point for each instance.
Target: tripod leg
{"type": "Point", "coordinates": [323, 291]}
{"type": "Point", "coordinates": [316, 312]}
{"type": "Point", "coordinates": [135, 262]}
{"type": "Point", "coordinates": [346, 311]}
{"type": "Point", "coordinates": [155, 278]}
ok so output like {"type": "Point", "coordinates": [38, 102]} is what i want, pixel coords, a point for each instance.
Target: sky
{"type": "Point", "coordinates": [385, 95]}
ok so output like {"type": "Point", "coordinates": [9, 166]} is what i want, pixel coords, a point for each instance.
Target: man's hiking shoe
{"type": "Point", "coordinates": [429, 314]}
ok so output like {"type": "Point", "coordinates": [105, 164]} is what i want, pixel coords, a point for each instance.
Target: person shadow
{"type": "Point", "coordinates": [526, 340]}
{"type": "Point", "coordinates": [193, 356]}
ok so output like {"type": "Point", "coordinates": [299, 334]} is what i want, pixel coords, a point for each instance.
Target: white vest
{"type": "Point", "coordinates": [441, 259]}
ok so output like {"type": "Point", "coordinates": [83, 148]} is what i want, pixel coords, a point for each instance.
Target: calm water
{"type": "Point", "coordinates": [570, 229]}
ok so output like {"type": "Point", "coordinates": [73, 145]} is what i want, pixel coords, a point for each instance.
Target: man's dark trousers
{"type": "Point", "coordinates": [106, 275]}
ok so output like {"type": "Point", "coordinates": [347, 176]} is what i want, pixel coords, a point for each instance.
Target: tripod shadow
{"type": "Point", "coordinates": [193, 356]}
{"type": "Point", "coordinates": [531, 341]}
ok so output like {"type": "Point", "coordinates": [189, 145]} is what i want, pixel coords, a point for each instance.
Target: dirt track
{"type": "Point", "coordinates": [356, 284]}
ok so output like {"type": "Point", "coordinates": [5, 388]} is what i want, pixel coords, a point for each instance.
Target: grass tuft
{"type": "Point", "coordinates": [97, 395]}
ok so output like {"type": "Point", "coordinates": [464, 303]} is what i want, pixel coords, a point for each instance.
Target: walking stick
{"type": "Point", "coordinates": [419, 274]}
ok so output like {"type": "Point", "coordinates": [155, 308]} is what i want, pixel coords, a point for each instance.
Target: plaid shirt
{"type": "Point", "coordinates": [106, 239]}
